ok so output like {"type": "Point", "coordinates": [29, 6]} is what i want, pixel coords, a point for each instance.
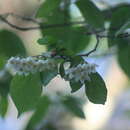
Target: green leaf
{"type": "Point", "coordinates": [25, 92]}
{"type": "Point", "coordinates": [74, 105]}
{"type": "Point", "coordinates": [5, 84]}
{"type": "Point", "coordinates": [10, 44]}
{"type": "Point", "coordinates": [3, 106]}
{"type": "Point", "coordinates": [123, 28]}
{"type": "Point", "coordinates": [119, 16]}
{"type": "Point", "coordinates": [91, 13]}
{"type": "Point", "coordinates": [96, 89]}
{"type": "Point", "coordinates": [120, 19]}
{"type": "Point", "coordinates": [47, 76]}
{"type": "Point", "coordinates": [46, 40]}
{"type": "Point", "coordinates": [5, 78]}
{"type": "Point", "coordinates": [3, 61]}
{"type": "Point", "coordinates": [47, 7]}
{"type": "Point", "coordinates": [62, 70]}
{"type": "Point", "coordinates": [39, 113]}
{"type": "Point", "coordinates": [54, 17]}
{"type": "Point", "coordinates": [76, 60]}
{"type": "Point", "coordinates": [124, 56]}
{"type": "Point", "coordinates": [4, 88]}
{"type": "Point", "coordinates": [50, 126]}
{"type": "Point", "coordinates": [75, 86]}
{"type": "Point", "coordinates": [71, 38]}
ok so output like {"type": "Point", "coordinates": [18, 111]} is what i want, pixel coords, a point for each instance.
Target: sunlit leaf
{"type": "Point", "coordinates": [91, 13]}
{"type": "Point", "coordinates": [47, 7]}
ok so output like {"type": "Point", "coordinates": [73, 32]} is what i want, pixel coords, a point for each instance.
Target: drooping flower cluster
{"type": "Point", "coordinates": [24, 66]}
{"type": "Point", "coordinates": [80, 72]}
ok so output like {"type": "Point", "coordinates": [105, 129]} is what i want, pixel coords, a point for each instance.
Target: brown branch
{"type": "Point", "coordinates": [24, 18]}
{"type": "Point", "coordinates": [40, 25]}
{"type": "Point", "coordinates": [97, 32]}
{"type": "Point", "coordinates": [17, 27]}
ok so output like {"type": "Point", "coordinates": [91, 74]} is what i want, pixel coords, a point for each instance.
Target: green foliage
{"type": "Point", "coordinates": [76, 60]}
{"type": "Point", "coordinates": [50, 126]}
{"type": "Point", "coordinates": [3, 60]}
{"type": "Point", "coordinates": [50, 13]}
{"type": "Point", "coordinates": [47, 8]}
{"type": "Point", "coordinates": [123, 28]}
{"type": "Point", "coordinates": [5, 83]}
{"type": "Point", "coordinates": [5, 86]}
{"type": "Point", "coordinates": [47, 76]}
{"type": "Point", "coordinates": [40, 112]}
{"type": "Point", "coordinates": [75, 86]}
{"type": "Point", "coordinates": [10, 44]}
{"type": "Point", "coordinates": [46, 40]}
{"type": "Point", "coordinates": [119, 17]}
{"type": "Point", "coordinates": [25, 92]}
{"type": "Point", "coordinates": [124, 56]}
{"type": "Point", "coordinates": [71, 38]}
{"type": "Point", "coordinates": [62, 70]}
{"type": "Point", "coordinates": [96, 89]}
{"type": "Point", "coordinates": [119, 22]}
{"type": "Point", "coordinates": [74, 106]}
{"type": "Point", "coordinates": [91, 13]}
{"type": "Point", "coordinates": [3, 106]}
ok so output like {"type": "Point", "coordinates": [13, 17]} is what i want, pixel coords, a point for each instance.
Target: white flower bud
{"type": "Point", "coordinates": [24, 66]}
{"type": "Point", "coordinates": [80, 72]}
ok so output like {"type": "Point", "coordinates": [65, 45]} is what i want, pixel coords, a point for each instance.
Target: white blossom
{"type": "Point", "coordinates": [47, 54]}
{"type": "Point", "coordinates": [81, 72]}
{"type": "Point", "coordinates": [24, 66]}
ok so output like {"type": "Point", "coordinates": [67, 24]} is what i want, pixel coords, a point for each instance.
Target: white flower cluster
{"type": "Point", "coordinates": [24, 66]}
{"type": "Point", "coordinates": [80, 72]}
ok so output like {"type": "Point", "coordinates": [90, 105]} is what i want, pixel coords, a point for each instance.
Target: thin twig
{"type": "Point", "coordinates": [47, 26]}
{"type": "Point", "coordinates": [103, 55]}
{"type": "Point", "coordinates": [93, 50]}
{"type": "Point", "coordinates": [17, 27]}
{"type": "Point", "coordinates": [40, 26]}
{"type": "Point", "coordinates": [24, 18]}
